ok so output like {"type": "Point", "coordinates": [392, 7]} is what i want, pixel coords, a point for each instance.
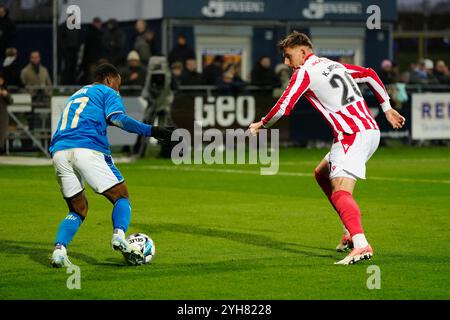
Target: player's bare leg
{"type": "Point", "coordinates": [78, 209]}
{"type": "Point", "coordinates": [118, 196]}
{"type": "Point", "coordinates": [322, 175]}
{"type": "Point", "coordinates": [345, 205]}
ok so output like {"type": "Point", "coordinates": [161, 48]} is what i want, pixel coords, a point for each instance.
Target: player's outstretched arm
{"type": "Point", "coordinates": [373, 81]}
{"type": "Point", "coordinates": [131, 125]}
{"type": "Point", "coordinates": [298, 84]}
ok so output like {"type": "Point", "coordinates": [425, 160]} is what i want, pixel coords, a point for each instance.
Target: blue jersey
{"type": "Point", "coordinates": [84, 120]}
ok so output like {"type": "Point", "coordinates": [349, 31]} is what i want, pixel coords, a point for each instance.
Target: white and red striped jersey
{"type": "Point", "coordinates": [332, 89]}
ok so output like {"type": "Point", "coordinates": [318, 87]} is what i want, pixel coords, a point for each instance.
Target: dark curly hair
{"type": "Point", "coordinates": [105, 70]}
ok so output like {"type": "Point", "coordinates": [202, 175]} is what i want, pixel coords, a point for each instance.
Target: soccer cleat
{"type": "Point", "coordinates": [132, 254]}
{"type": "Point", "coordinates": [59, 257]}
{"type": "Point", "coordinates": [356, 255]}
{"type": "Point", "coordinates": [345, 244]}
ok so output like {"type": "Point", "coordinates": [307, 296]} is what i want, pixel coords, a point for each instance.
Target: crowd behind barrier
{"type": "Point", "coordinates": [25, 125]}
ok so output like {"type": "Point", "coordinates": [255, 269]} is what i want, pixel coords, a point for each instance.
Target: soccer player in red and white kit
{"type": "Point", "coordinates": [332, 89]}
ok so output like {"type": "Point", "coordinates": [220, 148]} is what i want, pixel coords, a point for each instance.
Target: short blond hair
{"type": "Point", "coordinates": [295, 39]}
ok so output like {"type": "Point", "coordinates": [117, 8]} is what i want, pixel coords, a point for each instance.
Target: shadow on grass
{"type": "Point", "coordinates": [39, 252]}
{"type": "Point", "coordinates": [241, 237]}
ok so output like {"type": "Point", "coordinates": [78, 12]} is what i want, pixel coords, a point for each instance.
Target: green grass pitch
{"type": "Point", "coordinates": [226, 232]}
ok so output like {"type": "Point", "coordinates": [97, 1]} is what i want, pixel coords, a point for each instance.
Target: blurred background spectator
{"type": "Point", "coordinates": [230, 82]}
{"type": "Point", "coordinates": [263, 75]}
{"type": "Point", "coordinates": [93, 49]}
{"type": "Point", "coordinates": [143, 43]}
{"type": "Point", "coordinates": [213, 72]}
{"type": "Point", "coordinates": [181, 52]}
{"type": "Point", "coordinates": [176, 70]}
{"type": "Point", "coordinates": [114, 42]}
{"type": "Point", "coordinates": [423, 73]}
{"type": "Point", "coordinates": [441, 72]}
{"type": "Point", "coordinates": [7, 31]}
{"type": "Point", "coordinates": [35, 77]}
{"type": "Point", "coordinates": [283, 73]}
{"type": "Point", "coordinates": [69, 45]}
{"type": "Point", "coordinates": [5, 100]}
{"type": "Point", "coordinates": [11, 69]}
{"type": "Point", "coordinates": [133, 74]}
{"type": "Point", "coordinates": [388, 74]}
{"type": "Point", "coordinates": [190, 76]}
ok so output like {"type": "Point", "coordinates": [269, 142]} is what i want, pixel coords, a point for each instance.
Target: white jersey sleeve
{"type": "Point", "coordinates": [298, 84]}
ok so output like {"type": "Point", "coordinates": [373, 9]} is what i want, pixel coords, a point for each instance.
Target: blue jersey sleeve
{"type": "Point", "coordinates": [113, 103]}
{"type": "Point", "coordinates": [129, 124]}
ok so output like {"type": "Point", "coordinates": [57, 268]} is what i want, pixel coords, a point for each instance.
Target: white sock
{"type": "Point", "coordinates": [359, 240]}
{"type": "Point", "coordinates": [61, 247]}
{"type": "Point", "coordinates": [119, 232]}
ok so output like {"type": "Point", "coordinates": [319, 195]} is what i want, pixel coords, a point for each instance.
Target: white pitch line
{"type": "Point", "coordinates": [283, 173]}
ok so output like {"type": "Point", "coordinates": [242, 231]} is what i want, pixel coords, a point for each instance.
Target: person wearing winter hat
{"type": "Point", "coordinates": [133, 75]}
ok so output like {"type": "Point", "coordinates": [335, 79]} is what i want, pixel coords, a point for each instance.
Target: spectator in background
{"type": "Point", "coordinates": [213, 72]}
{"type": "Point", "coordinates": [7, 31]}
{"type": "Point", "coordinates": [283, 73]}
{"type": "Point", "coordinates": [441, 72]}
{"type": "Point", "coordinates": [114, 42]}
{"type": "Point", "coordinates": [5, 101]}
{"type": "Point", "coordinates": [176, 69]}
{"type": "Point", "coordinates": [390, 77]}
{"type": "Point", "coordinates": [11, 70]}
{"type": "Point", "coordinates": [190, 76]}
{"type": "Point", "coordinates": [143, 43]}
{"type": "Point", "coordinates": [35, 77]}
{"type": "Point", "coordinates": [423, 74]}
{"type": "Point", "coordinates": [263, 75]}
{"type": "Point", "coordinates": [93, 49]}
{"type": "Point", "coordinates": [181, 52]}
{"type": "Point", "coordinates": [230, 82]}
{"type": "Point", "coordinates": [388, 73]}
{"type": "Point", "coordinates": [133, 74]}
{"type": "Point", "coordinates": [69, 44]}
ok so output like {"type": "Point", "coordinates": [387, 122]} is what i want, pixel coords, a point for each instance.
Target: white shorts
{"type": "Point", "coordinates": [347, 158]}
{"type": "Point", "coordinates": [75, 166]}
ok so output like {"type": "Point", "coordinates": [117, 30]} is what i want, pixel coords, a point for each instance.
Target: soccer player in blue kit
{"type": "Point", "coordinates": [81, 152]}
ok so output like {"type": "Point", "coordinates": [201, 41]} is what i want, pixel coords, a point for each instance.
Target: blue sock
{"type": "Point", "coordinates": [121, 214]}
{"type": "Point", "coordinates": [68, 228]}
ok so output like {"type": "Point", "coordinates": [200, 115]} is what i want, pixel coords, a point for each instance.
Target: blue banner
{"type": "Point", "coordinates": [312, 10]}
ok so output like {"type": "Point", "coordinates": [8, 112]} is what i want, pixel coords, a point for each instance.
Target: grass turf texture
{"type": "Point", "coordinates": [232, 235]}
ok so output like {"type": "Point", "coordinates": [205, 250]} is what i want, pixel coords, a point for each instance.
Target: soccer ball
{"type": "Point", "coordinates": [144, 243]}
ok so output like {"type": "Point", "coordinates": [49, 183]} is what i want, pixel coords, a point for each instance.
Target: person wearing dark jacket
{"type": "Point", "coordinates": [70, 42]}
{"type": "Point", "coordinates": [190, 76]}
{"type": "Point", "coordinates": [230, 82]}
{"type": "Point", "coordinates": [263, 75]}
{"type": "Point", "coordinates": [93, 49]}
{"type": "Point", "coordinates": [144, 42]}
{"type": "Point", "coordinates": [213, 72]}
{"type": "Point", "coordinates": [114, 42]}
{"type": "Point", "coordinates": [7, 31]}
{"type": "Point", "coordinates": [441, 72]}
{"type": "Point", "coordinates": [181, 52]}
{"type": "Point", "coordinates": [5, 101]}
{"type": "Point", "coordinates": [11, 69]}
{"type": "Point", "coordinates": [133, 74]}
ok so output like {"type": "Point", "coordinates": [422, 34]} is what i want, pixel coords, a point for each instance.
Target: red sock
{"type": "Point", "coordinates": [325, 183]}
{"type": "Point", "coordinates": [348, 210]}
